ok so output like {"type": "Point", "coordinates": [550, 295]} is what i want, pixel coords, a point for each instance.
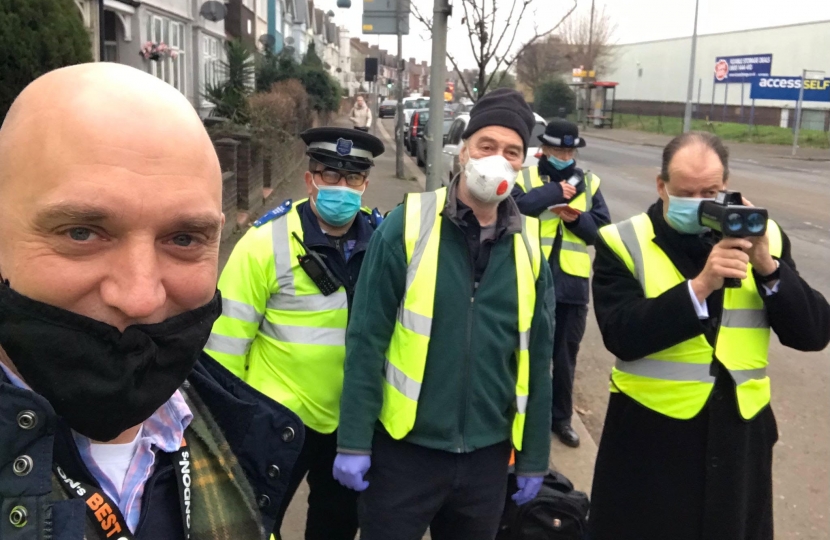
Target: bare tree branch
{"type": "Point", "coordinates": [469, 22]}
{"type": "Point", "coordinates": [492, 37]}
{"type": "Point", "coordinates": [537, 37]}
{"type": "Point", "coordinates": [525, 3]}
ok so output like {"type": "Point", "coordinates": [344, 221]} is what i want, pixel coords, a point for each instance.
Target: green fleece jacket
{"type": "Point", "coordinates": [469, 387]}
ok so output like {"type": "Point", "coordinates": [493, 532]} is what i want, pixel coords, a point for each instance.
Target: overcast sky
{"type": "Point", "coordinates": [637, 20]}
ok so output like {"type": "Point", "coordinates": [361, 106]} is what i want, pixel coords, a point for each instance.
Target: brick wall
{"type": "Point", "coordinates": [226, 150]}
{"type": "Point", "coordinates": [248, 175]}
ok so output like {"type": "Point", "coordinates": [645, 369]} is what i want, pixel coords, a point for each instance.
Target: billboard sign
{"type": "Point", "coordinates": [787, 89]}
{"type": "Point", "coordinates": [741, 69]}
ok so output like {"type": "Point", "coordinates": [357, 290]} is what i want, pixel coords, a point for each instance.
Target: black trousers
{"type": "Point", "coordinates": [332, 508]}
{"type": "Point", "coordinates": [570, 327]}
{"type": "Point", "coordinates": [458, 496]}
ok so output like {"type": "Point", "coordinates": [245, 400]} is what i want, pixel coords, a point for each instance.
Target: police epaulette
{"type": "Point", "coordinates": [377, 218]}
{"type": "Point", "coordinates": [271, 215]}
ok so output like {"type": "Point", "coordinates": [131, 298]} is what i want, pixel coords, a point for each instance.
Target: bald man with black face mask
{"type": "Point", "coordinates": [113, 424]}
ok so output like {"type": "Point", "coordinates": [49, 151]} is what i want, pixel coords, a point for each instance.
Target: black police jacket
{"type": "Point", "coordinates": [261, 433]}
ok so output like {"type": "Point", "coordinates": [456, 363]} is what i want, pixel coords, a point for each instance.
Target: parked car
{"type": "Point", "coordinates": [422, 144]}
{"type": "Point", "coordinates": [419, 118]}
{"type": "Point", "coordinates": [410, 105]}
{"type": "Point", "coordinates": [388, 108]}
{"type": "Point", "coordinates": [453, 145]}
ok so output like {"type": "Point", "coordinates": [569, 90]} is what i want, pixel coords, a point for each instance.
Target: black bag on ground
{"type": "Point", "coordinates": [559, 512]}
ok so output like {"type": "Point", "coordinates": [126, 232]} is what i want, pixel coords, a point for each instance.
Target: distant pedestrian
{"type": "Point", "coordinates": [686, 451]}
{"type": "Point", "coordinates": [448, 349]}
{"type": "Point", "coordinates": [571, 208]}
{"type": "Point", "coordinates": [361, 115]}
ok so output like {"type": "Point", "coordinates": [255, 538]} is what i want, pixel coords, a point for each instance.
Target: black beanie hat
{"type": "Point", "coordinates": [502, 107]}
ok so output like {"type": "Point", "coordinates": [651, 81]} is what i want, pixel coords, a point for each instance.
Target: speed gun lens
{"type": "Point", "coordinates": [755, 223]}
{"type": "Point", "coordinates": [734, 222]}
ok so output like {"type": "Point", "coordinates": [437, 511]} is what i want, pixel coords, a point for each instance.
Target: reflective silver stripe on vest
{"type": "Point", "coordinates": [547, 215]}
{"type": "Point", "coordinates": [400, 382]}
{"type": "Point", "coordinates": [309, 302]}
{"type": "Point", "coordinates": [629, 238]}
{"type": "Point", "coordinates": [524, 340]}
{"type": "Point", "coordinates": [282, 255]}
{"type": "Point", "coordinates": [546, 241]}
{"type": "Point", "coordinates": [428, 210]}
{"type": "Point", "coordinates": [745, 318]}
{"type": "Point", "coordinates": [573, 246]}
{"type": "Point", "coordinates": [228, 345]}
{"type": "Point", "coordinates": [666, 371]}
{"type": "Point", "coordinates": [528, 185]}
{"type": "Point", "coordinates": [429, 203]}
{"type": "Point", "coordinates": [521, 404]}
{"type": "Point", "coordinates": [743, 375]}
{"type": "Point", "coordinates": [589, 192]}
{"type": "Point", "coordinates": [419, 324]}
{"type": "Point", "coordinates": [305, 335]}
{"type": "Point", "coordinates": [681, 371]}
{"type": "Point", "coordinates": [240, 310]}
{"type": "Point", "coordinates": [526, 241]}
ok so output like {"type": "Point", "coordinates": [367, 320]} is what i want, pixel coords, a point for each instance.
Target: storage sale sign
{"type": "Point", "coordinates": [741, 69]}
{"type": "Point", "coordinates": [787, 89]}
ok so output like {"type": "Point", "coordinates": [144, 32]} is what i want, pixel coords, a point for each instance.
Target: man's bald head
{"type": "Point", "coordinates": [101, 111]}
{"type": "Point", "coordinates": [110, 196]}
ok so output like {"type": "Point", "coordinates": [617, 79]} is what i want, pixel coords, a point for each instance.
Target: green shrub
{"type": "Point", "coordinates": [552, 95]}
{"type": "Point", "coordinates": [37, 36]}
{"type": "Point", "coordinates": [230, 97]}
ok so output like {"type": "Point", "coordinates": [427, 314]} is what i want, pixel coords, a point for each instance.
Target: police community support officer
{"type": "Point", "coordinates": [450, 349]}
{"type": "Point", "coordinates": [567, 231]}
{"type": "Point", "coordinates": [686, 452]}
{"type": "Point", "coordinates": [286, 290]}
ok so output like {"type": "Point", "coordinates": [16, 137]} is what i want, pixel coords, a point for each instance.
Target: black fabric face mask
{"type": "Point", "coordinates": [99, 380]}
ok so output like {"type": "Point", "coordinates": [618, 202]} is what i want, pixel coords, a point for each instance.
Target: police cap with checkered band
{"type": "Point", "coordinates": [562, 134]}
{"type": "Point", "coordinates": [344, 149]}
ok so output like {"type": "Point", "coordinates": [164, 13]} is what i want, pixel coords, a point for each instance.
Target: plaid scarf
{"type": "Point", "coordinates": [223, 504]}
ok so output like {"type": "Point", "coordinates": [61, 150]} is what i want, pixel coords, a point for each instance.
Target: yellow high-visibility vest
{"type": "Point", "coordinates": [677, 381]}
{"type": "Point", "coordinates": [573, 257]}
{"type": "Point", "coordinates": [277, 331]}
{"type": "Point", "coordinates": [406, 356]}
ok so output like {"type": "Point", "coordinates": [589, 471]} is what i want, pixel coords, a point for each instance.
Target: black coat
{"type": "Point", "coordinates": [252, 424]}
{"type": "Point", "coordinates": [569, 289]}
{"type": "Point", "coordinates": [708, 478]}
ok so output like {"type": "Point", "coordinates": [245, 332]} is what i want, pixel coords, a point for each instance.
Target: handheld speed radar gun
{"type": "Point", "coordinates": [729, 217]}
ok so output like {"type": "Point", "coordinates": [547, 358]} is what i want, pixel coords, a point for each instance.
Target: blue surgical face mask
{"type": "Point", "coordinates": [337, 205]}
{"type": "Point", "coordinates": [559, 164]}
{"type": "Point", "coordinates": [682, 215]}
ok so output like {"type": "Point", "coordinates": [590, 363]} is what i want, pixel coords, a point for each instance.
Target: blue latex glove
{"type": "Point", "coordinates": [349, 470]}
{"type": "Point", "coordinates": [528, 488]}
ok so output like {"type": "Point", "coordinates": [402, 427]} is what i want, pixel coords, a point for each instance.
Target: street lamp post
{"type": "Point", "coordinates": [798, 106]}
{"type": "Point", "coordinates": [687, 118]}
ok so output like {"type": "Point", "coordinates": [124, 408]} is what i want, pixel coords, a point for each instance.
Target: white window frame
{"type": "Point", "coordinates": [174, 34]}
{"type": "Point", "coordinates": [213, 55]}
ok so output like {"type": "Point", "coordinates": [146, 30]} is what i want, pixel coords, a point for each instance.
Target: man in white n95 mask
{"type": "Point", "coordinates": [454, 307]}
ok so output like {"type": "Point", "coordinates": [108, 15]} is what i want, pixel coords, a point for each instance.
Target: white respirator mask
{"type": "Point", "coordinates": [490, 179]}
